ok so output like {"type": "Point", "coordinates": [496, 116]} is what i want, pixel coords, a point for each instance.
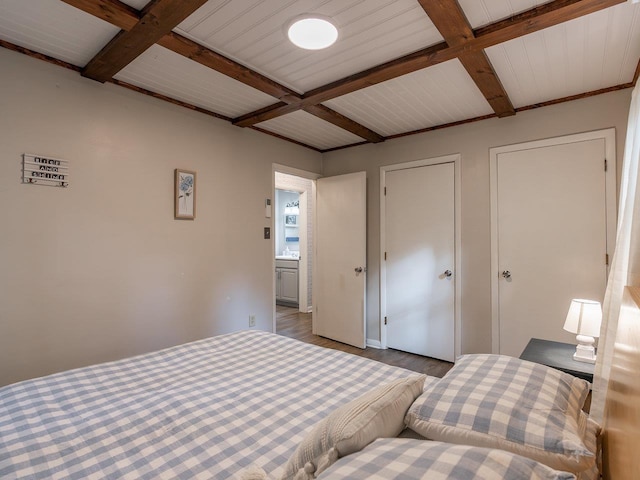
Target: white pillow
{"type": "Point", "coordinates": [350, 428]}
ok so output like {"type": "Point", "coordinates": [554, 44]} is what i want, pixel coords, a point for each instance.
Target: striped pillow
{"type": "Point", "coordinates": [351, 427]}
{"type": "Point", "coordinates": [503, 402]}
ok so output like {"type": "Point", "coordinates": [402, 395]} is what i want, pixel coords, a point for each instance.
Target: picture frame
{"type": "Point", "coordinates": [185, 194]}
{"type": "Point", "coordinates": [291, 220]}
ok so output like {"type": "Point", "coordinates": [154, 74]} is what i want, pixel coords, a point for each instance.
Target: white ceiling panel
{"type": "Point", "coordinates": [590, 53]}
{"type": "Point", "coordinates": [54, 28]}
{"type": "Point", "coordinates": [434, 96]}
{"type": "Point", "coordinates": [483, 12]}
{"type": "Point", "coordinates": [253, 33]}
{"type": "Point", "coordinates": [175, 76]}
{"type": "Point", "coordinates": [310, 130]}
{"type": "Point", "coordinates": [576, 57]}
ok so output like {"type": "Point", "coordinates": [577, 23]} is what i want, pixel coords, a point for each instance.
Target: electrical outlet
{"type": "Point", "coordinates": [252, 320]}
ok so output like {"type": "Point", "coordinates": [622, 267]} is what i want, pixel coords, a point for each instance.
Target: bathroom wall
{"type": "Point", "coordinates": [284, 197]}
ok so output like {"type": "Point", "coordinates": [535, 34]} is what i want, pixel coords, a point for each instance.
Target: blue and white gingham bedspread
{"type": "Point", "coordinates": [206, 409]}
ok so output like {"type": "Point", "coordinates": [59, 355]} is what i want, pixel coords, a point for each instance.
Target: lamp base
{"type": "Point", "coordinates": [585, 353]}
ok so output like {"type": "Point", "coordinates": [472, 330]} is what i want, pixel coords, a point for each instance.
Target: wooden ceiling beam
{"type": "Point", "coordinates": [221, 64]}
{"type": "Point", "coordinates": [350, 84]}
{"type": "Point", "coordinates": [156, 20]}
{"type": "Point", "coordinates": [127, 18]}
{"type": "Point", "coordinates": [451, 22]}
{"type": "Point", "coordinates": [326, 114]}
{"type": "Point", "coordinates": [61, 63]}
{"type": "Point", "coordinates": [533, 20]}
{"type": "Point", "coordinates": [637, 74]}
{"type": "Point", "coordinates": [343, 122]}
{"type": "Point", "coordinates": [116, 13]}
{"type": "Point", "coordinates": [449, 18]}
{"type": "Point", "coordinates": [479, 67]}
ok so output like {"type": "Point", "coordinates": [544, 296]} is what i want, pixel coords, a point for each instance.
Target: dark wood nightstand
{"type": "Point", "coordinates": [557, 355]}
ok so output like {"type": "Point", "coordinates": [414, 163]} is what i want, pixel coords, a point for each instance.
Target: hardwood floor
{"type": "Point", "coordinates": [291, 323]}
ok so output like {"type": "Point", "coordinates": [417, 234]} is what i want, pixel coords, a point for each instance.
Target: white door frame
{"type": "Point", "coordinates": [609, 136]}
{"type": "Point", "coordinates": [456, 159]}
{"type": "Point", "coordinates": [276, 167]}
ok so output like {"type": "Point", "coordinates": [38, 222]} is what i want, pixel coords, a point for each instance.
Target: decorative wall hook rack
{"type": "Point", "coordinates": [40, 170]}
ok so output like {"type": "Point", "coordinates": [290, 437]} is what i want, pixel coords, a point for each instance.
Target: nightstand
{"type": "Point", "coordinates": [557, 355]}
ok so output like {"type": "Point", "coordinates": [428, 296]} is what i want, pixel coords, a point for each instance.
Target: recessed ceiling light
{"type": "Point", "coordinates": [312, 32]}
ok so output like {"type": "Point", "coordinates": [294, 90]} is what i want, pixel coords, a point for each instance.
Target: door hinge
{"type": "Point", "coordinates": [385, 255]}
{"type": "Point", "coordinates": [385, 191]}
{"type": "Point", "coordinates": [606, 166]}
{"type": "Point", "coordinates": [385, 320]}
{"type": "Point", "coordinates": [606, 258]}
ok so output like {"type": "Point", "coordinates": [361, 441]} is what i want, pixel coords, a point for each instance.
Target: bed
{"type": "Point", "coordinates": [246, 405]}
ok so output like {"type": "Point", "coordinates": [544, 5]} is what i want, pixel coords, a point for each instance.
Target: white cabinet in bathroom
{"type": "Point", "coordinates": [287, 282]}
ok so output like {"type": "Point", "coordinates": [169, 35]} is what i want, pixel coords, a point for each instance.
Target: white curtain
{"type": "Point", "coordinates": [625, 267]}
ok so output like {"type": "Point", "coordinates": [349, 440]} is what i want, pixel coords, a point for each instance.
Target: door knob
{"type": "Point", "coordinates": [448, 273]}
{"type": "Point", "coordinates": [506, 274]}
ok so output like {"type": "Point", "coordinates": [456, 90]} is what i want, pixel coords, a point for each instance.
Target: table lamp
{"type": "Point", "coordinates": [584, 319]}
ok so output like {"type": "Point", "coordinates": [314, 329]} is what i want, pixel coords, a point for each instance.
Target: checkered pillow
{"type": "Point", "coordinates": [408, 459]}
{"type": "Point", "coordinates": [502, 402]}
{"type": "Point", "coordinates": [348, 429]}
{"type": "Point", "coordinates": [590, 436]}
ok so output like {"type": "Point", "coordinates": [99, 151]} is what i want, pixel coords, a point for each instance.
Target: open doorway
{"type": "Point", "coordinates": [290, 223]}
{"type": "Point", "coordinates": [293, 224]}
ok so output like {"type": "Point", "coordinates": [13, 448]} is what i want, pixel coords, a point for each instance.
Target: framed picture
{"type": "Point", "coordinates": [185, 194]}
{"type": "Point", "coordinates": [290, 220]}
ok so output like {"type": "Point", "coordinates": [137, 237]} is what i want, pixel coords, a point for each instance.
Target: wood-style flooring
{"type": "Point", "coordinates": [291, 323]}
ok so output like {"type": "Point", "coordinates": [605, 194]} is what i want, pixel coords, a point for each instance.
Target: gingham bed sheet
{"type": "Point", "coordinates": [207, 409]}
{"type": "Point", "coordinates": [408, 459]}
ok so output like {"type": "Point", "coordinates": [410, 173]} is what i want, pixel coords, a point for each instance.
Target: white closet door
{"type": "Point", "coordinates": [420, 265]}
{"type": "Point", "coordinates": [552, 238]}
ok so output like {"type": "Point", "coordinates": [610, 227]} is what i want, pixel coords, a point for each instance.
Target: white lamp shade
{"type": "Point", "coordinates": [584, 317]}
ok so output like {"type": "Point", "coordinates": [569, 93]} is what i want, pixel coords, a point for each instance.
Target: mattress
{"type": "Point", "coordinates": [206, 409]}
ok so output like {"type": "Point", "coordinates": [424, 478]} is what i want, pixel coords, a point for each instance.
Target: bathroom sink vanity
{"type": "Point", "coordinates": [287, 281]}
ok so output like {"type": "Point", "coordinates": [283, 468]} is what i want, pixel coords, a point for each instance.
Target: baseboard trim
{"type": "Point", "coordinates": [284, 303]}
{"type": "Point", "coordinates": [374, 344]}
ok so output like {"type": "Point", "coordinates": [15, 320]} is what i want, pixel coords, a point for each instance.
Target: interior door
{"type": "Point", "coordinates": [339, 282]}
{"type": "Point", "coordinates": [552, 238]}
{"type": "Point", "coordinates": [420, 260]}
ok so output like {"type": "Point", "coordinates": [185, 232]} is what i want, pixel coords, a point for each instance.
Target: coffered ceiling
{"type": "Point", "coordinates": [398, 67]}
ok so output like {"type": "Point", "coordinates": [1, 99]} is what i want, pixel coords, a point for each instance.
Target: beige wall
{"type": "Point", "coordinates": [473, 142]}
{"type": "Point", "coordinates": [101, 270]}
